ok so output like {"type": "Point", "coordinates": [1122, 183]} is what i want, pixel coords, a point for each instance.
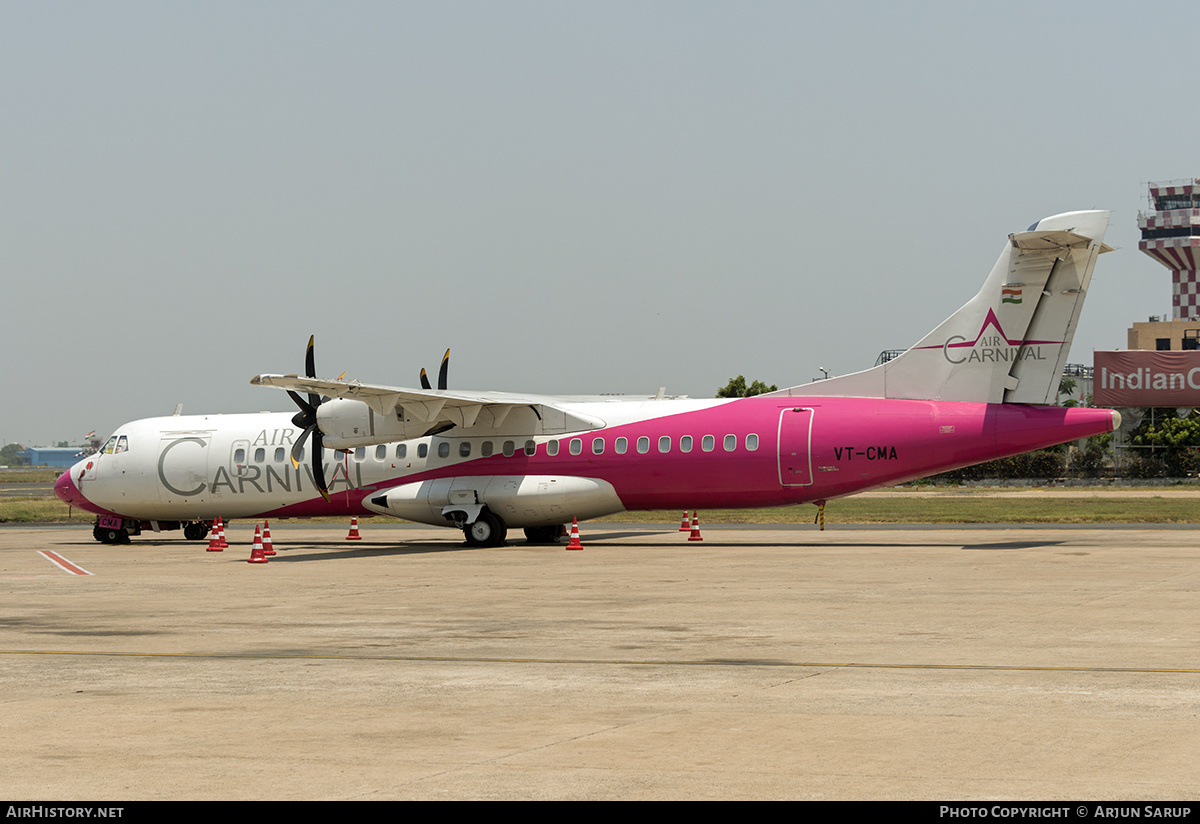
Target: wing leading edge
{"type": "Point", "coordinates": [398, 413]}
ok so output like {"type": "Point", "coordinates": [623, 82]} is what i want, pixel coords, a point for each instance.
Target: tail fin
{"type": "Point", "coordinates": [1009, 343]}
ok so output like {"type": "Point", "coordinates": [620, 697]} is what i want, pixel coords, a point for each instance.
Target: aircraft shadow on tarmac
{"type": "Point", "coordinates": [339, 548]}
{"type": "Point", "coordinates": [1016, 545]}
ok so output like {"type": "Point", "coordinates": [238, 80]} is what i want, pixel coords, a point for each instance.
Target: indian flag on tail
{"type": "Point", "coordinates": [1009, 295]}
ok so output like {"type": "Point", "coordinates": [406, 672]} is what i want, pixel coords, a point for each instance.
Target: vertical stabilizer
{"type": "Point", "coordinates": [1009, 343]}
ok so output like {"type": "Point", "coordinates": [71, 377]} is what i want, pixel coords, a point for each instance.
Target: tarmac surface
{"type": "Point", "coordinates": [918, 663]}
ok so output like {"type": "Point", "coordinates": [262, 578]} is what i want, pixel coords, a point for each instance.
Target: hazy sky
{"type": "Point", "coordinates": [575, 197]}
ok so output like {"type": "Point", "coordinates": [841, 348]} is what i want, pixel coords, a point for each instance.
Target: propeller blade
{"type": "Point", "coordinates": [444, 370]}
{"type": "Point", "coordinates": [318, 468]}
{"type": "Point", "coordinates": [310, 369]}
{"type": "Point", "coordinates": [306, 419]}
{"type": "Point", "coordinates": [298, 447]}
{"type": "Point", "coordinates": [302, 418]}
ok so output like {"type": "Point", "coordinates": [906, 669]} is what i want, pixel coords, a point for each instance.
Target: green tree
{"type": "Point", "coordinates": [1174, 442]}
{"type": "Point", "coordinates": [737, 388]}
{"type": "Point", "coordinates": [9, 456]}
{"type": "Point", "coordinates": [1066, 386]}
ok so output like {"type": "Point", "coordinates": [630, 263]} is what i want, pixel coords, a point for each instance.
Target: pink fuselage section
{"type": "Point", "coordinates": [848, 445]}
{"type": "Point", "coordinates": [852, 444]}
{"type": "Point", "coordinates": [803, 449]}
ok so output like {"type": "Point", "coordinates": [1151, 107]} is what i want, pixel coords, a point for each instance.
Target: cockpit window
{"type": "Point", "coordinates": [110, 445]}
{"type": "Point", "coordinates": [122, 444]}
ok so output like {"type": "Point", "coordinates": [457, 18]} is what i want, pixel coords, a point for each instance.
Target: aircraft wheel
{"type": "Point", "coordinates": [488, 530]}
{"type": "Point", "coordinates": [542, 534]}
{"type": "Point", "coordinates": [195, 531]}
{"type": "Point", "coordinates": [110, 536]}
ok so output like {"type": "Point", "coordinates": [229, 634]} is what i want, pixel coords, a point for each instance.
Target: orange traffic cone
{"type": "Point", "coordinates": [695, 536]}
{"type": "Point", "coordinates": [683, 525]}
{"type": "Point", "coordinates": [268, 547]}
{"type": "Point", "coordinates": [574, 543]}
{"type": "Point", "coordinates": [256, 552]}
{"type": "Point", "coordinates": [214, 541]}
{"type": "Point", "coordinates": [221, 528]}
{"type": "Point", "coordinates": [353, 536]}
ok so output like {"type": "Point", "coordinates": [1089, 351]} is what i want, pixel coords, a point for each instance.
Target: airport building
{"type": "Point", "coordinates": [1170, 229]}
{"type": "Point", "coordinates": [53, 456]}
{"type": "Point", "coordinates": [1161, 366]}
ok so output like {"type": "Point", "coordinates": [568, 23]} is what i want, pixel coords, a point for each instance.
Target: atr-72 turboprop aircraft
{"type": "Point", "coordinates": [975, 388]}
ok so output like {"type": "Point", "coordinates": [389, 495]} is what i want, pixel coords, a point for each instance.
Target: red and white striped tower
{"type": "Point", "coordinates": [1171, 235]}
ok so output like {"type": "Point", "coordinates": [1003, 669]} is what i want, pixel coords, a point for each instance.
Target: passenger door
{"type": "Point", "coordinates": [795, 447]}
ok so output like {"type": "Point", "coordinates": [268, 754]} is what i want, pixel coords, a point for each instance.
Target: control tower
{"type": "Point", "coordinates": [1171, 235]}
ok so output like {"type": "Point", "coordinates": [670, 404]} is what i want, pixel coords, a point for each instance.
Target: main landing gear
{"type": "Point", "coordinates": [488, 529]}
{"type": "Point", "coordinates": [543, 534]}
{"type": "Point", "coordinates": [195, 531]}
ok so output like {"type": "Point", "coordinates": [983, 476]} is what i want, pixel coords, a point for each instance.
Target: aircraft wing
{"type": "Point", "coordinates": [429, 405]}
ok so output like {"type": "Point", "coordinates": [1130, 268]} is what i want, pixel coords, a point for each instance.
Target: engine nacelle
{"type": "Point", "coordinates": [346, 424]}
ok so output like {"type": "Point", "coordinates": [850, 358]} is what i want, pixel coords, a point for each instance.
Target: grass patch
{"type": "Point", "coordinates": [953, 510]}
{"type": "Point", "coordinates": [29, 475]}
{"type": "Point", "coordinates": [40, 511]}
{"type": "Point", "coordinates": [992, 509]}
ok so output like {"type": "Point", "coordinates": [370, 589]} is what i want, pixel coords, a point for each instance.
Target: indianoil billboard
{"type": "Point", "coordinates": [1139, 377]}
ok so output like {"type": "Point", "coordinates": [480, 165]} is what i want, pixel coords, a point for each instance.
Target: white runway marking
{"type": "Point", "coordinates": [62, 563]}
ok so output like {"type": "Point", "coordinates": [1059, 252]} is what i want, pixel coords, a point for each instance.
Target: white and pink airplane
{"type": "Point", "coordinates": [977, 387]}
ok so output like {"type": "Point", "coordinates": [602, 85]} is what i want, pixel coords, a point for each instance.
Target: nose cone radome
{"type": "Point", "coordinates": [66, 490]}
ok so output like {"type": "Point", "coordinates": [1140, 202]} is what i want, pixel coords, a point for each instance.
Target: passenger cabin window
{"type": "Point", "coordinates": [751, 442]}
{"type": "Point", "coordinates": [685, 443]}
{"type": "Point", "coordinates": [486, 449]}
{"type": "Point", "coordinates": [260, 455]}
{"type": "Point", "coordinates": [422, 450]}
{"type": "Point", "coordinates": [360, 454]}
{"type": "Point", "coordinates": [622, 445]}
{"type": "Point", "coordinates": [530, 448]}
{"type": "Point", "coordinates": [381, 452]}
{"type": "Point", "coordinates": [279, 454]}
{"type": "Point", "coordinates": [509, 449]}
{"type": "Point", "coordinates": [664, 444]}
{"type": "Point", "coordinates": [576, 446]}
{"type": "Point", "coordinates": [552, 448]}
{"type": "Point", "coordinates": [444, 449]}
{"type": "Point", "coordinates": [707, 443]}
{"type": "Point", "coordinates": [643, 445]}
{"type": "Point", "coordinates": [464, 449]}
{"type": "Point", "coordinates": [730, 443]}
{"type": "Point", "coordinates": [597, 446]}
{"type": "Point", "coordinates": [239, 455]}
{"type": "Point", "coordinates": [401, 450]}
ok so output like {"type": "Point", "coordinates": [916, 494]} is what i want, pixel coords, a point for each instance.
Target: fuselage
{"type": "Point", "coordinates": [654, 454]}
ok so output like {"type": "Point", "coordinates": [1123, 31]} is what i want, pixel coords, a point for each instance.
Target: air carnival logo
{"type": "Point", "coordinates": [996, 347]}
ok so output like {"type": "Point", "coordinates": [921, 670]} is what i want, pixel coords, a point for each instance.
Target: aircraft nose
{"type": "Point", "coordinates": [66, 491]}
